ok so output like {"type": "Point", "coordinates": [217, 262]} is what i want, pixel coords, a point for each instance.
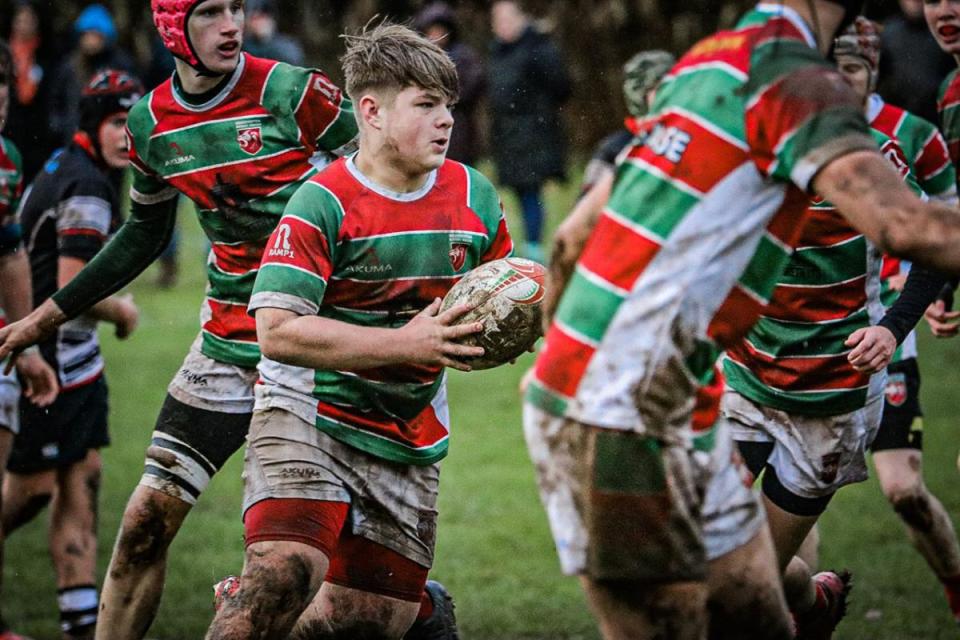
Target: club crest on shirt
{"type": "Point", "coordinates": [249, 137]}
{"type": "Point", "coordinates": [896, 389]}
{"type": "Point", "coordinates": [459, 245]}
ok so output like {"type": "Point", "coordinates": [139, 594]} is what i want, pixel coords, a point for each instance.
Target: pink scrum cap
{"type": "Point", "coordinates": [170, 18]}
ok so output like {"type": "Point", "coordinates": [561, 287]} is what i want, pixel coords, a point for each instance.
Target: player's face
{"type": "Point", "coordinates": [113, 141]}
{"type": "Point", "coordinates": [216, 33]}
{"type": "Point", "coordinates": [943, 18]}
{"type": "Point", "coordinates": [857, 75]}
{"type": "Point", "coordinates": [417, 129]}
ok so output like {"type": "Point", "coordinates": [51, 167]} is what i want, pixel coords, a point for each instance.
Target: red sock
{"type": "Point", "coordinates": [426, 607]}
{"type": "Point", "coordinates": [951, 586]}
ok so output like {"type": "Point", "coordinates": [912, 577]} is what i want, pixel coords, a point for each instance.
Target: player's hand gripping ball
{"type": "Point", "coordinates": [506, 297]}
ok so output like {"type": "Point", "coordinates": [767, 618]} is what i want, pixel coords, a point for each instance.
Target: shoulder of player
{"type": "Point", "coordinates": [327, 192]}
{"type": "Point", "coordinates": [9, 151]}
{"type": "Point", "coordinates": [284, 85]}
{"type": "Point", "coordinates": [949, 89]}
{"type": "Point", "coordinates": [142, 117]}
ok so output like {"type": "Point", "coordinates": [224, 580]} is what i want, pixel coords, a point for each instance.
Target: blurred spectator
{"type": "Point", "coordinates": [96, 50]}
{"type": "Point", "coordinates": [528, 83]}
{"type": "Point", "coordinates": [912, 66]}
{"type": "Point", "coordinates": [263, 40]}
{"type": "Point", "coordinates": [160, 66]}
{"type": "Point", "coordinates": [438, 22]}
{"type": "Point", "coordinates": [31, 45]}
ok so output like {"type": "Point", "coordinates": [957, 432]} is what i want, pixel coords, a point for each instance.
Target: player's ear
{"type": "Point", "coordinates": [371, 110]}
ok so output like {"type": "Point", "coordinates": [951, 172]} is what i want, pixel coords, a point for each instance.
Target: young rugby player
{"type": "Point", "coordinates": [237, 135]}
{"type": "Point", "coordinates": [66, 217]}
{"type": "Point", "coordinates": [342, 466]}
{"type": "Point", "coordinates": [806, 383]}
{"type": "Point", "coordinates": [40, 380]}
{"type": "Point", "coordinates": [685, 256]}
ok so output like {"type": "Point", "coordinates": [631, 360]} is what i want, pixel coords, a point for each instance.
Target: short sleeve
{"type": "Point", "coordinates": [325, 115]}
{"type": "Point", "coordinates": [800, 114]}
{"type": "Point", "coordinates": [146, 186]}
{"type": "Point", "coordinates": [83, 220]}
{"type": "Point", "coordinates": [300, 254]}
{"type": "Point", "coordinates": [485, 202]}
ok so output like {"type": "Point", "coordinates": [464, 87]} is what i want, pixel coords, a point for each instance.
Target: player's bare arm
{"type": "Point", "coordinates": [870, 194]}
{"type": "Point", "coordinates": [430, 338]}
{"type": "Point", "coordinates": [569, 240]}
{"type": "Point", "coordinates": [40, 381]}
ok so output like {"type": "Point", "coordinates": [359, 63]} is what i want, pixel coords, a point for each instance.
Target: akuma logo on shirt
{"type": "Point", "coordinates": [281, 246]}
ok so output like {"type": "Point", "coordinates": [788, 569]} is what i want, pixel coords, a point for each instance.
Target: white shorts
{"type": "Point", "coordinates": [812, 455]}
{"type": "Point", "coordinates": [9, 401]}
{"type": "Point", "coordinates": [626, 506]}
{"type": "Point", "coordinates": [205, 383]}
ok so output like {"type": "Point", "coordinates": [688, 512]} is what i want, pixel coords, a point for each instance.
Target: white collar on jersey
{"type": "Point", "coordinates": [217, 99]}
{"type": "Point", "coordinates": [387, 193]}
{"type": "Point", "coordinates": [874, 106]}
{"type": "Point", "coordinates": [792, 16]}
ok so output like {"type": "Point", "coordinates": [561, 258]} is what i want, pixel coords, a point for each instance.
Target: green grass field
{"type": "Point", "coordinates": [494, 551]}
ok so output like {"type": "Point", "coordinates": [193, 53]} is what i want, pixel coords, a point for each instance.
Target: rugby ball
{"type": "Point", "coordinates": [506, 296]}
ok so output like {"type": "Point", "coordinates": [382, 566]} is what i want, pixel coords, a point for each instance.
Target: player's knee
{"type": "Point", "coordinates": [913, 506]}
{"type": "Point", "coordinates": [144, 535]}
{"type": "Point", "coordinates": [277, 579]}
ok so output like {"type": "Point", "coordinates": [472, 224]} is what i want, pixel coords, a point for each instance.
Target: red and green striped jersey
{"type": "Point", "coordinates": [922, 144]}
{"type": "Point", "coordinates": [348, 249]}
{"type": "Point", "coordinates": [11, 190]}
{"type": "Point", "coordinates": [794, 358]}
{"type": "Point", "coordinates": [703, 217]}
{"type": "Point", "coordinates": [948, 106]}
{"type": "Point", "coordinates": [240, 156]}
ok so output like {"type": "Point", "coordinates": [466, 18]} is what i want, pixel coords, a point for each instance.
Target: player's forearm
{"type": "Point", "coordinates": [322, 343]}
{"type": "Point", "coordinates": [919, 291]}
{"type": "Point", "coordinates": [138, 243]}
{"type": "Point", "coordinates": [871, 195]}
{"type": "Point", "coordinates": [16, 291]}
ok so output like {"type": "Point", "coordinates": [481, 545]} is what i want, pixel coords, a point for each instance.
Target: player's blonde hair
{"type": "Point", "coordinates": [391, 57]}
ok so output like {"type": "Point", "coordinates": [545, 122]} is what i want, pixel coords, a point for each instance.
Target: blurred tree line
{"type": "Point", "coordinates": [595, 36]}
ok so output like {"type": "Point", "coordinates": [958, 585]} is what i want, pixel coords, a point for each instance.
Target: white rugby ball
{"type": "Point", "coordinates": [506, 296]}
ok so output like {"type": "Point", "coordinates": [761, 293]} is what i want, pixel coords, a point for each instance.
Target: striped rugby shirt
{"type": "Point", "coordinates": [794, 358]}
{"type": "Point", "coordinates": [239, 157]}
{"type": "Point", "coordinates": [348, 249]}
{"type": "Point", "coordinates": [702, 220]}
{"type": "Point", "coordinates": [948, 106]}
{"type": "Point", "coordinates": [11, 190]}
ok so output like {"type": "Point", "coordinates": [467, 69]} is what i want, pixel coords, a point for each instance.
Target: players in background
{"type": "Point", "coordinates": [354, 348]}
{"type": "Point", "coordinates": [66, 216]}
{"type": "Point", "coordinates": [681, 263]}
{"type": "Point", "coordinates": [40, 381]}
{"type": "Point", "coordinates": [897, 449]}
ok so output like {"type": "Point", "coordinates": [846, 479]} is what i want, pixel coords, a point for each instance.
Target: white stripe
{"type": "Point", "coordinates": [759, 299]}
{"type": "Point", "coordinates": [597, 280]}
{"type": "Point", "coordinates": [651, 169]}
{"type": "Point", "coordinates": [397, 234]}
{"type": "Point", "coordinates": [217, 99]}
{"type": "Point", "coordinates": [822, 286]}
{"type": "Point", "coordinates": [400, 279]}
{"type": "Point", "coordinates": [777, 241]}
{"type": "Point", "coordinates": [167, 436]}
{"type": "Point", "coordinates": [720, 66]}
{"type": "Point", "coordinates": [831, 246]}
{"type": "Point", "coordinates": [633, 226]}
{"type": "Point", "coordinates": [266, 81]}
{"type": "Point", "coordinates": [293, 216]}
{"type": "Point", "coordinates": [576, 335]}
{"type": "Point", "coordinates": [234, 162]}
{"type": "Point", "coordinates": [206, 122]}
{"type": "Point", "coordinates": [222, 339]}
{"type": "Point", "coordinates": [227, 302]}
{"type": "Point", "coordinates": [793, 17]}
{"type": "Point", "coordinates": [709, 126]}
{"type": "Point", "coordinates": [266, 265]}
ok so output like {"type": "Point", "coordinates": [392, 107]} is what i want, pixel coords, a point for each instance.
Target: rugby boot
{"type": "Point", "coordinates": [831, 605]}
{"type": "Point", "coordinates": [222, 590]}
{"type": "Point", "coordinates": [442, 624]}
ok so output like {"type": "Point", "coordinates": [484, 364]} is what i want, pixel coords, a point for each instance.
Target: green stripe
{"type": "Point", "coordinates": [411, 255]}
{"type": "Point", "coordinates": [588, 308]}
{"type": "Point", "coordinates": [701, 361]}
{"type": "Point", "coordinates": [774, 59]}
{"type": "Point", "coordinates": [279, 277]}
{"type": "Point", "coordinates": [381, 447]}
{"type": "Point", "coordinates": [819, 266]}
{"type": "Point", "coordinates": [343, 129]}
{"type": "Point", "coordinates": [636, 185]}
{"type": "Point", "coordinates": [484, 200]}
{"type": "Point", "coordinates": [705, 441]}
{"type": "Point", "coordinates": [241, 354]}
{"type": "Point", "coordinates": [817, 403]}
{"type": "Point", "coordinates": [228, 287]}
{"type": "Point", "coordinates": [762, 271]}
{"type": "Point", "coordinates": [781, 338]}
{"type": "Point", "coordinates": [940, 183]}
{"type": "Point", "coordinates": [545, 399]}
{"type": "Point", "coordinates": [699, 90]}
{"type": "Point", "coordinates": [400, 400]}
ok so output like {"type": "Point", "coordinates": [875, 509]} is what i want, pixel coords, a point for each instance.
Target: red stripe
{"type": "Point", "coordinates": [562, 362]}
{"type": "Point", "coordinates": [617, 253]}
{"type": "Point", "coordinates": [954, 148]}
{"type": "Point", "coordinates": [890, 267]}
{"type": "Point", "coordinates": [82, 232]}
{"type": "Point", "coordinates": [887, 120]}
{"type": "Point", "coordinates": [502, 244]}
{"type": "Point", "coordinates": [817, 304]}
{"type": "Point", "coordinates": [726, 47]}
{"type": "Point", "coordinates": [706, 404]}
{"type": "Point", "coordinates": [320, 107]}
{"type": "Point", "coordinates": [238, 259]}
{"type": "Point", "coordinates": [303, 246]}
{"type": "Point", "coordinates": [422, 431]}
{"type": "Point", "coordinates": [831, 373]}
{"type": "Point", "coordinates": [703, 143]}
{"type": "Point", "coordinates": [231, 322]}
{"type": "Point", "coordinates": [825, 228]}
{"type": "Point", "coordinates": [734, 318]}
